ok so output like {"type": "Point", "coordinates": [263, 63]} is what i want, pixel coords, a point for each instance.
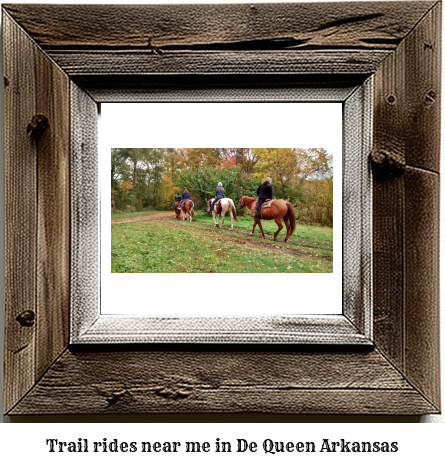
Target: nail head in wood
{"type": "Point", "coordinates": [26, 318]}
{"type": "Point", "coordinates": [430, 97]}
{"type": "Point", "coordinates": [37, 126]}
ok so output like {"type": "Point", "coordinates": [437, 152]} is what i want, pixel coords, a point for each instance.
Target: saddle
{"type": "Point", "coordinates": [266, 204]}
{"type": "Point", "coordinates": [191, 201]}
{"type": "Point", "coordinates": [215, 206]}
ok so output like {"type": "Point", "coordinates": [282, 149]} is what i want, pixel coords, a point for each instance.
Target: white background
{"type": "Point", "coordinates": [300, 125]}
{"type": "Point", "coordinates": [21, 442]}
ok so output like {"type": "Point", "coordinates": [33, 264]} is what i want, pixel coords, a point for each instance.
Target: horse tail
{"type": "Point", "coordinates": [233, 210]}
{"type": "Point", "coordinates": [290, 215]}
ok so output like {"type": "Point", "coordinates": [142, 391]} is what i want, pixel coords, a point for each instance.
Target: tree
{"type": "Point", "coordinates": [198, 158]}
{"type": "Point", "coordinates": [202, 182]}
{"type": "Point", "coordinates": [290, 166]}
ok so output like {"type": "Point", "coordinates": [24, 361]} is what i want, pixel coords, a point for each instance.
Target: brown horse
{"type": "Point", "coordinates": [187, 207]}
{"type": "Point", "coordinates": [279, 210]}
{"type": "Point", "coordinates": [177, 212]}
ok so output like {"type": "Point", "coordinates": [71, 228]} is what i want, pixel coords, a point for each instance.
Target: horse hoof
{"type": "Point", "coordinates": [231, 229]}
{"type": "Point", "coordinates": [250, 234]}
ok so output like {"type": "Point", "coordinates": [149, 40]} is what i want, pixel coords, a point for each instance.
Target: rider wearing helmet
{"type": "Point", "coordinates": [219, 194]}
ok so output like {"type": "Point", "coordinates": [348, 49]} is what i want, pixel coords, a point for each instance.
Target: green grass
{"type": "Point", "coordinates": [306, 237]}
{"type": "Point", "coordinates": [171, 246]}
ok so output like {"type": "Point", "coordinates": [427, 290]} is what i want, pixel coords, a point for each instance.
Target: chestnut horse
{"type": "Point", "coordinates": [279, 210]}
{"type": "Point", "coordinates": [187, 207]}
{"type": "Point", "coordinates": [177, 212]}
{"type": "Point", "coordinates": [225, 206]}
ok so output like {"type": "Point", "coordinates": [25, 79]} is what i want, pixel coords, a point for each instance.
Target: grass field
{"type": "Point", "coordinates": [155, 242]}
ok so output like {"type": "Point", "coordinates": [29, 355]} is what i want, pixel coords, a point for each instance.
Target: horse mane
{"type": "Point", "coordinates": [249, 200]}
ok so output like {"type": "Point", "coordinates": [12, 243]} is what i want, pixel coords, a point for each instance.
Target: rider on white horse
{"type": "Point", "coordinates": [219, 194]}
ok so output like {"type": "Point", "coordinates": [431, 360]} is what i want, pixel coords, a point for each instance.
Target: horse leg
{"type": "Point", "coordinates": [261, 227]}
{"type": "Point", "coordinates": [255, 222]}
{"type": "Point", "coordinates": [231, 220]}
{"type": "Point", "coordinates": [184, 215]}
{"type": "Point", "coordinates": [287, 223]}
{"type": "Point", "coordinates": [280, 227]}
{"type": "Point", "coordinates": [222, 218]}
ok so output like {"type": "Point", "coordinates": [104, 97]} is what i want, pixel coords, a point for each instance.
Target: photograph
{"type": "Point", "coordinates": [216, 210]}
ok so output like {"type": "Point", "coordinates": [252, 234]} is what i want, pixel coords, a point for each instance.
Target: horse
{"type": "Point", "coordinates": [279, 210]}
{"type": "Point", "coordinates": [177, 212]}
{"type": "Point", "coordinates": [187, 207]}
{"type": "Point", "coordinates": [225, 206]}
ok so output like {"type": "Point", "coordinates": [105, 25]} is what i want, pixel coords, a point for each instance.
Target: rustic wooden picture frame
{"type": "Point", "coordinates": [75, 57]}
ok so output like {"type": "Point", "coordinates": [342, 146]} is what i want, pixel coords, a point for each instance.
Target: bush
{"type": "Point", "coordinates": [202, 183]}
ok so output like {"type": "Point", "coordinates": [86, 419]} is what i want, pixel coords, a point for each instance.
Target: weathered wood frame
{"type": "Point", "coordinates": [90, 323]}
{"type": "Point", "coordinates": [70, 59]}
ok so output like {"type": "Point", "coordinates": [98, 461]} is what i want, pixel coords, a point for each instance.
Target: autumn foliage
{"type": "Point", "coordinates": [149, 178]}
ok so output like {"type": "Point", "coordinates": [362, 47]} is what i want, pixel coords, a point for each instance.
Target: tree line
{"type": "Point", "coordinates": [149, 178]}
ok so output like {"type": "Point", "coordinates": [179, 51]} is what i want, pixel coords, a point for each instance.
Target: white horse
{"type": "Point", "coordinates": [224, 206]}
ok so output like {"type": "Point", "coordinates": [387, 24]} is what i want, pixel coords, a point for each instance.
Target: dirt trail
{"type": "Point", "coordinates": [139, 218]}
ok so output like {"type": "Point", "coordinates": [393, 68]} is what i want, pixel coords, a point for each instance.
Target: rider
{"type": "Point", "coordinates": [264, 192]}
{"type": "Point", "coordinates": [177, 199]}
{"type": "Point", "coordinates": [185, 196]}
{"type": "Point", "coordinates": [219, 194]}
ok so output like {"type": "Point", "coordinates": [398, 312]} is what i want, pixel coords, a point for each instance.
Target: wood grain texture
{"type": "Point", "coordinates": [53, 226]}
{"type": "Point", "coordinates": [423, 91]}
{"type": "Point", "coordinates": [388, 268]}
{"type": "Point", "coordinates": [80, 63]}
{"type": "Point", "coordinates": [223, 382]}
{"type": "Point", "coordinates": [422, 364]}
{"type": "Point", "coordinates": [218, 87]}
{"type": "Point", "coordinates": [37, 216]}
{"type": "Point", "coordinates": [261, 26]}
{"type": "Point", "coordinates": [20, 212]}
{"type": "Point", "coordinates": [357, 209]}
{"type": "Point", "coordinates": [406, 241]}
{"type": "Point", "coordinates": [389, 140]}
{"type": "Point", "coordinates": [109, 329]}
{"type": "Point", "coordinates": [85, 209]}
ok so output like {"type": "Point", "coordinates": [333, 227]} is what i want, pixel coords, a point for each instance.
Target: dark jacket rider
{"type": "Point", "coordinates": [177, 199]}
{"type": "Point", "coordinates": [264, 192]}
